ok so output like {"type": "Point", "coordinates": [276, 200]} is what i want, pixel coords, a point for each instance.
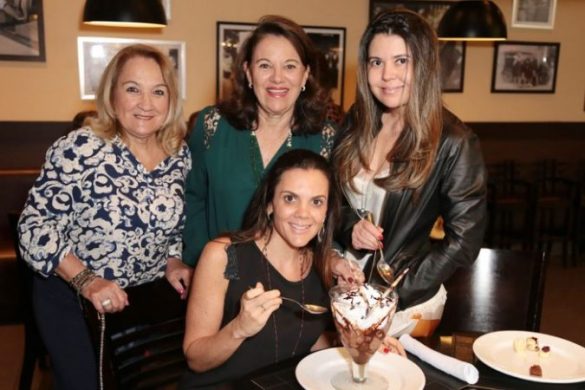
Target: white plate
{"type": "Point", "coordinates": [315, 371]}
{"type": "Point", "coordinates": [565, 364]}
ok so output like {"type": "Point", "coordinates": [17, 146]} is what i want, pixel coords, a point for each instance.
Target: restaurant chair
{"type": "Point", "coordinates": [555, 215]}
{"type": "Point", "coordinates": [579, 233]}
{"type": "Point", "coordinates": [502, 170]}
{"type": "Point", "coordinates": [550, 168]}
{"type": "Point", "coordinates": [501, 290]}
{"type": "Point", "coordinates": [511, 213]}
{"type": "Point", "coordinates": [143, 344]}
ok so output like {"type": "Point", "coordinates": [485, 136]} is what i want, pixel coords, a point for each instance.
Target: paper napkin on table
{"type": "Point", "coordinates": [459, 369]}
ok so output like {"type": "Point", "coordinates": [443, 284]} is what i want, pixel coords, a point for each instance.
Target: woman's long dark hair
{"type": "Point", "coordinates": [257, 223]}
{"type": "Point", "coordinates": [241, 107]}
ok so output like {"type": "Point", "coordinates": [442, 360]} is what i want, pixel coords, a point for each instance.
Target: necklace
{"type": "Point", "coordinates": [102, 319]}
{"type": "Point", "coordinates": [257, 166]}
{"type": "Point", "coordinates": [274, 319]}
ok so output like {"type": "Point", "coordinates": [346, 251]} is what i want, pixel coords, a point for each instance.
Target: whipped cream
{"type": "Point", "coordinates": [363, 308]}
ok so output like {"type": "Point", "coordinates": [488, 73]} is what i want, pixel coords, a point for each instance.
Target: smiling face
{"type": "Point", "coordinates": [390, 70]}
{"type": "Point", "coordinates": [141, 98]}
{"type": "Point", "coordinates": [299, 206]}
{"type": "Point", "coordinates": [277, 75]}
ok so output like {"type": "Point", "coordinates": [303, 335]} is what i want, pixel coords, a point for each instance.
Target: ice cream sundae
{"type": "Point", "coordinates": [362, 316]}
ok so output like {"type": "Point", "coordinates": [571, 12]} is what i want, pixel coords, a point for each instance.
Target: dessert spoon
{"type": "Point", "coordinates": [396, 281]}
{"type": "Point", "coordinates": [382, 267]}
{"type": "Point", "coordinates": [308, 307]}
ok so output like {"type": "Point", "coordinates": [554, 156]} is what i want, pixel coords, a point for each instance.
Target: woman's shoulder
{"type": "Point", "coordinates": [223, 253]}
{"type": "Point", "coordinates": [210, 124]}
{"type": "Point", "coordinates": [184, 153]}
{"type": "Point", "coordinates": [455, 131]}
{"type": "Point", "coordinates": [457, 138]}
{"type": "Point", "coordinates": [182, 159]}
{"type": "Point", "coordinates": [454, 128]}
{"type": "Point", "coordinates": [82, 141]}
{"type": "Point", "coordinates": [217, 245]}
{"type": "Point", "coordinates": [329, 129]}
{"type": "Point", "coordinates": [322, 141]}
{"type": "Point", "coordinates": [76, 151]}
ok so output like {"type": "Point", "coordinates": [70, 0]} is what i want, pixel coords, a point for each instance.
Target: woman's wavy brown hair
{"type": "Point", "coordinates": [241, 107]}
{"type": "Point", "coordinates": [412, 157]}
{"type": "Point", "coordinates": [106, 126]}
{"type": "Point", "coordinates": [257, 222]}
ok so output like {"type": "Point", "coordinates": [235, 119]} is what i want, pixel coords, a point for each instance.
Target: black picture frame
{"type": "Point", "coordinates": [92, 67]}
{"type": "Point", "coordinates": [452, 56]}
{"type": "Point", "coordinates": [330, 41]}
{"type": "Point", "coordinates": [22, 31]}
{"type": "Point", "coordinates": [525, 67]}
{"type": "Point", "coordinates": [431, 10]}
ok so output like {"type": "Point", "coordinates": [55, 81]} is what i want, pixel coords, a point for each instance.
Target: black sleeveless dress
{"type": "Point", "coordinates": [246, 266]}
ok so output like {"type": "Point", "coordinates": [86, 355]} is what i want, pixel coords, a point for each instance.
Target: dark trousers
{"type": "Point", "coordinates": [65, 334]}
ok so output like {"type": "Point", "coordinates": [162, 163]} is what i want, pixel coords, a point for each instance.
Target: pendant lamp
{"type": "Point", "coordinates": [125, 13]}
{"type": "Point", "coordinates": [473, 20]}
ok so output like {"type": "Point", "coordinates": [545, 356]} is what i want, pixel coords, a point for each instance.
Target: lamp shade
{"type": "Point", "coordinates": [125, 13]}
{"type": "Point", "coordinates": [473, 20]}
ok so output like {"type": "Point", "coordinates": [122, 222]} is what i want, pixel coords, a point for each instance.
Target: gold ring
{"type": "Point", "coordinates": [106, 302]}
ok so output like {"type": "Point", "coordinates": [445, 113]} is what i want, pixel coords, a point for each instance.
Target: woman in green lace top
{"type": "Point", "coordinates": [276, 105]}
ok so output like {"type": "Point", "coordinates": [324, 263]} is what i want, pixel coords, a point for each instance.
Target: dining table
{"type": "Point", "coordinates": [281, 376]}
{"type": "Point", "coordinates": [500, 291]}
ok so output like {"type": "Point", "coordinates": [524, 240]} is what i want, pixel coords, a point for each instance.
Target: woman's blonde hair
{"type": "Point", "coordinates": [173, 130]}
{"type": "Point", "coordinates": [412, 157]}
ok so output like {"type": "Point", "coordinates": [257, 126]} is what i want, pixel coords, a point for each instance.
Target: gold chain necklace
{"type": "Point", "coordinates": [274, 320]}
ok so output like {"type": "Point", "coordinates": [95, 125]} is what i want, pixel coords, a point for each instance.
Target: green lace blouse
{"type": "Point", "coordinates": [227, 167]}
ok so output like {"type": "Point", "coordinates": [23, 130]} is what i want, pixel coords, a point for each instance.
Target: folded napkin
{"type": "Point", "coordinates": [461, 370]}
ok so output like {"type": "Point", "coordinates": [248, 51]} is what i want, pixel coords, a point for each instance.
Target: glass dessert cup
{"type": "Point", "coordinates": [362, 316]}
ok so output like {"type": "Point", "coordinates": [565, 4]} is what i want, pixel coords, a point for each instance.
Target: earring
{"type": "Point", "coordinates": [250, 85]}
{"type": "Point", "coordinates": [303, 88]}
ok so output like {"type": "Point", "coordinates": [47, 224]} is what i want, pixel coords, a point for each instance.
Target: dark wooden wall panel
{"type": "Point", "coordinates": [528, 142]}
{"type": "Point", "coordinates": [23, 144]}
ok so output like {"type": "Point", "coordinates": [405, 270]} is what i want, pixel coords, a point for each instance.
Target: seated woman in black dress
{"type": "Point", "coordinates": [236, 320]}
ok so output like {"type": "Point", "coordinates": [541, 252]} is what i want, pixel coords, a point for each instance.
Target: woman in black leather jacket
{"type": "Point", "coordinates": [408, 160]}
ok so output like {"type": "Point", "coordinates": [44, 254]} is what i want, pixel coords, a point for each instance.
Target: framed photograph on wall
{"type": "Point", "coordinates": [452, 56]}
{"type": "Point", "coordinates": [534, 13]}
{"type": "Point", "coordinates": [230, 37]}
{"type": "Point", "coordinates": [432, 11]}
{"type": "Point", "coordinates": [94, 53]}
{"type": "Point", "coordinates": [525, 67]}
{"type": "Point", "coordinates": [22, 31]}
{"type": "Point", "coordinates": [330, 41]}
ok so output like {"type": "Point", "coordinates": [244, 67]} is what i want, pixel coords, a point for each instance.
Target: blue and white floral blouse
{"type": "Point", "coordinates": [94, 199]}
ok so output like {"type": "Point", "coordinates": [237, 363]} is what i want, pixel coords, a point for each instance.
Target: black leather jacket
{"type": "Point", "coordinates": [456, 190]}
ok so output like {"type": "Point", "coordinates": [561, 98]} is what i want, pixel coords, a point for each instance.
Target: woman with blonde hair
{"type": "Point", "coordinates": [107, 210]}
